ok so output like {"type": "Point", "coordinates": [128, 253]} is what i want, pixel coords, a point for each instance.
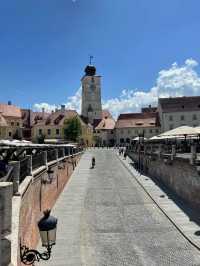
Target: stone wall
{"type": "Point", "coordinates": [6, 192]}
{"type": "Point", "coordinates": [176, 173]}
{"type": "Point", "coordinates": [37, 193]}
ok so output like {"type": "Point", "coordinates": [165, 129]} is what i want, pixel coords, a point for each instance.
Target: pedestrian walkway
{"type": "Point", "coordinates": [105, 218]}
{"type": "Point", "coordinates": [68, 210]}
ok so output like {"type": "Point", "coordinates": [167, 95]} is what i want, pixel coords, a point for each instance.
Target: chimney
{"type": "Point", "coordinates": [62, 107]}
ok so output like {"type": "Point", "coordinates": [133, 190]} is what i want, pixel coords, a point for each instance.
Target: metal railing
{"type": "Point", "coordinates": [51, 155]}
{"type": "Point", "coordinates": [24, 169]}
{"type": "Point", "coordinates": [37, 160]}
{"type": "Point", "coordinates": [61, 153]}
{"type": "Point", "coordinates": [29, 163]}
{"type": "Point", "coordinates": [8, 177]}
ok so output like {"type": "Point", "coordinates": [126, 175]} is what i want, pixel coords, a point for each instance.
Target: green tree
{"type": "Point", "coordinates": [72, 129]}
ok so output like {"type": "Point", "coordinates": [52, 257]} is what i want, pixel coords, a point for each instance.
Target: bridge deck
{"type": "Point", "coordinates": [106, 219]}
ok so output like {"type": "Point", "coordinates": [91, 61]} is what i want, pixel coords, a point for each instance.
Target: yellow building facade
{"type": "Point", "coordinates": [10, 122]}
{"type": "Point", "coordinates": [52, 127]}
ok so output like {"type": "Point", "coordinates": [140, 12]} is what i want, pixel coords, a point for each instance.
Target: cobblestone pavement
{"type": "Point", "coordinates": [120, 224]}
{"type": "Point", "coordinates": [106, 219]}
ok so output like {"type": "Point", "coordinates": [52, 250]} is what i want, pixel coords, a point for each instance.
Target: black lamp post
{"type": "Point", "coordinates": [140, 143]}
{"type": "Point", "coordinates": [47, 227]}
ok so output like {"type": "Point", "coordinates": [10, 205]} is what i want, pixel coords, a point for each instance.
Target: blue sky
{"type": "Point", "coordinates": [45, 45]}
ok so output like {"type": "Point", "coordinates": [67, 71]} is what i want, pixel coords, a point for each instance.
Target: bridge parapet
{"type": "Point", "coordinates": [37, 178]}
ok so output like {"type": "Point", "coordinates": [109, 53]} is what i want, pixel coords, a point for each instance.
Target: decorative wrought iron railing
{"type": "Point", "coordinates": [7, 177]}
{"type": "Point", "coordinates": [51, 155]}
{"type": "Point", "coordinates": [24, 169]}
{"type": "Point", "coordinates": [60, 153]}
{"type": "Point", "coordinates": [37, 160]}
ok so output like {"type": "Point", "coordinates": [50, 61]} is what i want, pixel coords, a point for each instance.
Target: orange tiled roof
{"type": "Point", "coordinates": [10, 110]}
{"type": "Point", "coordinates": [3, 122]}
{"type": "Point", "coordinates": [57, 118]}
{"type": "Point", "coordinates": [137, 120]}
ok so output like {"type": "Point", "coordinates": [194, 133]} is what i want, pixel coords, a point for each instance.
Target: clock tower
{"type": "Point", "coordinates": [91, 95]}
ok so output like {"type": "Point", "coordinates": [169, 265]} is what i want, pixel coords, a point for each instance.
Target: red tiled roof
{"type": "Point", "coordinates": [10, 110]}
{"type": "Point", "coordinates": [180, 104]}
{"type": "Point", "coordinates": [38, 116]}
{"type": "Point", "coordinates": [137, 120]}
{"type": "Point", "coordinates": [57, 118]}
{"type": "Point", "coordinates": [106, 123]}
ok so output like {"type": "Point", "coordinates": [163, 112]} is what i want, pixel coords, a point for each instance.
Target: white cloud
{"type": "Point", "coordinates": [176, 81]}
{"type": "Point", "coordinates": [73, 102]}
{"type": "Point", "coordinates": [48, 107]}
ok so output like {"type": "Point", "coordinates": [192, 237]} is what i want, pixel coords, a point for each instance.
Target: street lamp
{"type": "Point", "coordinates": [141, 142]}
{"type": "Point", "coordinates": [47, 227]}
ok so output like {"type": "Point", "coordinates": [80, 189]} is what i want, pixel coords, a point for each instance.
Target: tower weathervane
{"type": "Point", "coordinates": [91, 57]}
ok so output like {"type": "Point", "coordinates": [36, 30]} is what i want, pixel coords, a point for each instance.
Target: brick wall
{"type": "Point", "coordinates": [40, 196]}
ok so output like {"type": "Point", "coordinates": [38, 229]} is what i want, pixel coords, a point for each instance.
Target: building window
{"type": "Point", "coordinates": [18, 124]}
{"type": "Point", "coordinates": [150, 131]}
{"type": "Point", "coordinates": [157, 131]}
{"type": "Point", "coordinates": [12, 124]}
{"type": "Point", "coordinates": [182, 117]}
{"type": "Point", "coordinates": [49, 131]}
{"type": "Point", "coordinates": [170, 118]}
{"type": "Point", "coordinates": [171, 126]}
{"type": "Point", "coordinates": [121, 140]}
{"type": "Point", "coordinates": [57, 131]}
{"type": "Point", "coordinates": [127, 140]}
{"type": "Point", "coordinates": [40, 131]}
{"type": "Point", "coordinates": [111, 132]}
{"type": "Point", "coordinates": [10, 134]}
{"type": "Point", "coordinates": [194, 117]}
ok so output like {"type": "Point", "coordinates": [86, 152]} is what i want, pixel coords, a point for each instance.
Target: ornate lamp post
{"type": "Point", "coordinates": [47, 227]}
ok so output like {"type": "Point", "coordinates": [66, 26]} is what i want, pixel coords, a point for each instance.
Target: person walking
{"type": "Point", "coordinates": [93, 162]}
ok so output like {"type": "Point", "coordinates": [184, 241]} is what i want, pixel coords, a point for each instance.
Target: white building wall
{"type": "Point", "coordinates": [130, 133]}
{"type": "Point", "coordinates": [176, 119]}
{"type": "Point", "coordinates": [105, 135]}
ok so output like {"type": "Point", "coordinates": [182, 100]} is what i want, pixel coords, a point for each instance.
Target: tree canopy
{"type": "Point", "coordinates": [72, 128]}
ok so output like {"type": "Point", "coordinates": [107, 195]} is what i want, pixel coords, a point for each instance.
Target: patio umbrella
{"type": "Point", "coordinates": [137, 138]}
{"type": "Point", "coordinates": [181, 131]}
